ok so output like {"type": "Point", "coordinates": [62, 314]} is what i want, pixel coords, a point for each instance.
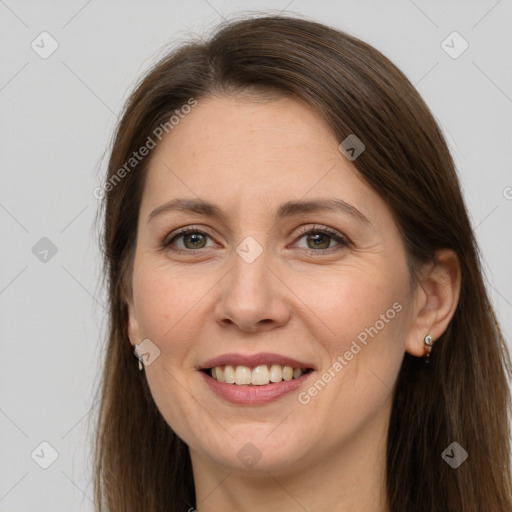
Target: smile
{"type": "Point", "coordinates": [252, 394]}
{"type": "Point", "coordinates": [260, 375]}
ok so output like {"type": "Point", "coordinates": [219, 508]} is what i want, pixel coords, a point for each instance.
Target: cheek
{"type": "Point", "coordinates": [363, 318]}
{"type": "Point", "coordinates": [354, 304]}
{"type": "Point", "coordinates": [167, 301]}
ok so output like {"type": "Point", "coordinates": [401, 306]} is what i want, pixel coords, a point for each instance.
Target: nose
{"type": "Point", "coordinates": [253, 296]}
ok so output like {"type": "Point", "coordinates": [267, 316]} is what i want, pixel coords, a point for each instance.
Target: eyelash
{"type": "Point", "coordinates": [324, 230]}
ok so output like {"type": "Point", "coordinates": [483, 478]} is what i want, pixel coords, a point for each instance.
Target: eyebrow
{"type": "Point", "coordinates": [288, 209]}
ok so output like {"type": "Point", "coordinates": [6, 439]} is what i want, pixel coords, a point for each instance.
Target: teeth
{"type": "Point", "coordinates": [242, 375]}
{"type": "Point", "coordinates": [229, 373]}
{"type": "Point", "coordinates": [257, 376]}
{"type": "Point", "coordinates": [218, 374]}
{"type": "Point", "coordinates": [287, 373]}
{"type": "Point", "coordinates": [276, 373]}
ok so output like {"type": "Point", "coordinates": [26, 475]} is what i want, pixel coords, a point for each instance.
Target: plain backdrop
{"type": "Point", "coordinates": [57, 116]}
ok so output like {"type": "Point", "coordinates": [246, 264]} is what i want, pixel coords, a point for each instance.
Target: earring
{"type": "Point", "coordinates": [138, 357]}
{"type": "Point", "coordinates": [429, 343]}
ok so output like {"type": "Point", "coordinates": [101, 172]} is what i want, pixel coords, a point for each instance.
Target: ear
{"type": "Point", "coordinates": [435, 301]}
{"type": "Point", "coordinates": [133, 324]}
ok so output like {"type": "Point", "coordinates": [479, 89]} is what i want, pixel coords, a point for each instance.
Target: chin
{"type": "Point", "coordinates": [255, 451]}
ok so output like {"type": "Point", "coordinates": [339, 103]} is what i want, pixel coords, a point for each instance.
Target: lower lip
{"type": "Point", "coordinates": [254, 395]}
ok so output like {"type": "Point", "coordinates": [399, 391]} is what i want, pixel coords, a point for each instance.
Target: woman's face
{"type": "Point", "coordinates": [251, 288]}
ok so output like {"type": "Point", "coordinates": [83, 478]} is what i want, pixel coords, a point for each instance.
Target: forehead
{"type": "Point", "coordinates": [234, 149]}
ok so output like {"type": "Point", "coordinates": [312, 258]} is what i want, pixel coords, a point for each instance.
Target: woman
{"type": "Point", "coordinates": [290, 259]}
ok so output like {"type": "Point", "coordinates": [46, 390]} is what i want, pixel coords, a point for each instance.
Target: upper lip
{"type": "Point", "coordinates": [254, 360]}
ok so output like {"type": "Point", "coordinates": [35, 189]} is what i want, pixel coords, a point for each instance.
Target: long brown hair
{"type": "Point", "coordinates": [462, 396]}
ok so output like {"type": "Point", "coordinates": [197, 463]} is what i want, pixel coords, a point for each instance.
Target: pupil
{"type": "Point", "coordinates": [195, 238]}
{"type": "Point", "coordinates": [317, 239]}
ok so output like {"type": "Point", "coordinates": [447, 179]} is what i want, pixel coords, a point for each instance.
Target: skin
{"type": "Point", "coordinates": [248, 157]}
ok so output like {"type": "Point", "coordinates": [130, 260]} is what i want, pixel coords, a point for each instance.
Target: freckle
{"type": "Point", "coordinates": [166, 316]}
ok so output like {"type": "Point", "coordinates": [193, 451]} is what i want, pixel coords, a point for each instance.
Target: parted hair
{"type": "Point", "coordinates": [140, 464]}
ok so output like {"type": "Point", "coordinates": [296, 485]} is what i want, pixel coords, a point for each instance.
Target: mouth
{"type": "Point", "coordinates": [254, 379]}
{"type": "Point", "coordinates": [261, 375]}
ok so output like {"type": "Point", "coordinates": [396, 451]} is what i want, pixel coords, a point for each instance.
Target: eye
{"type": "Point", "coordinates": [192, 237]}
{"type": "Point", "coordinates": [318, 239]}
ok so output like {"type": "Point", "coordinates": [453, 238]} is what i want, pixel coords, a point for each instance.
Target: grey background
{"type": "Point", "coordinates": [57, 116]}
